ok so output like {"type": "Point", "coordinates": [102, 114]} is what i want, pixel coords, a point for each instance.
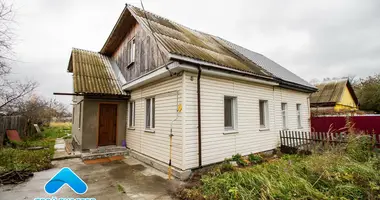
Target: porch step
{"type": "Point", "coordinates": [107, 149]}
{"type": "Point", "coordinates": [105, 152]}
{"type": "Point", "coordinates": [91, 156]}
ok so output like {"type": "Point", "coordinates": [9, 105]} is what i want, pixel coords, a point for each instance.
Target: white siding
{"type": "Point", "coordinates": [217, 146]}
{"type": "Point", "coordinates": [156, 145]}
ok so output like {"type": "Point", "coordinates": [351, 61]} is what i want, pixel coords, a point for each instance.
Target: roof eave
{"type": "Point", "coordinates": [176, 57]}
{"type": "Point", "coordinates": [296, 86]}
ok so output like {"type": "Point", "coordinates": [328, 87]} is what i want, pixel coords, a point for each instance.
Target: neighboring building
{"type": "Point", "coordinates": [336, 95]}
{"type": "Point", "coordinates": [231, 100]}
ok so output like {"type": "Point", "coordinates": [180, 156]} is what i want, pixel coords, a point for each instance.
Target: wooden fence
{"type": "Point", "coordinates": [18, 123]}
{"type": "Point", "coordinates": [304, 140]}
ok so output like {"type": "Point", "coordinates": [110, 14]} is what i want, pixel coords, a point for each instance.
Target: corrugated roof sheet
{"type": "Point", "coordinates": [93, 73]}
{"type": "Point", "coordinates": [183, 41]}
{"type": "Point", "coordinates": [269, 65]}
{"type": "Point", "coordinates": [328, 92]}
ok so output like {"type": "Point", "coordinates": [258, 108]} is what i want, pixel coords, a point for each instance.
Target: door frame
{"type": "Point", "coordinates": [98, 121]}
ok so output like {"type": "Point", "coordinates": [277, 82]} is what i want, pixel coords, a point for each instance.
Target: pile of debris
{"type": "Point", "coordinates": [15, 177]}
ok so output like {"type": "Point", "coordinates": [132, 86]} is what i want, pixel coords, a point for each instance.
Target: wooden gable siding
{"type": "Point", "coordinates": [147, 55]}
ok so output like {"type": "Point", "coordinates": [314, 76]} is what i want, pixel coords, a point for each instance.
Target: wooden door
{"type": "Point", "coordinates": [107, 124]}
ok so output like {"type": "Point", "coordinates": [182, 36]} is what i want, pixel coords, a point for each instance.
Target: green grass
{"type": "Point", "coordinates": [343, 173]}
{"type": "Point", "coordinates": [19, 158]}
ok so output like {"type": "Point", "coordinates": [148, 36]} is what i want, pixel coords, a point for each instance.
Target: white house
{"type": "Point", "coordinates": [217, 97]}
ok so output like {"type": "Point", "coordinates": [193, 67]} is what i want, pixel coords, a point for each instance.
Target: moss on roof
{"type": "Point", "coordinates": [183, 41]}
{"type": "Point", "coordinates": [329, 92]}
{"type": "Point", "coordinates": [93, 74]}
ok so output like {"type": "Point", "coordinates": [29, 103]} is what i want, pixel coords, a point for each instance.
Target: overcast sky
{"type": "Point", "coordinates": [313, 39]}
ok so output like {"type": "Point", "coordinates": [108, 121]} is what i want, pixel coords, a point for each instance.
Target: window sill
{"type": "Point", "coordinates": [227, 132]}
{"type": "Point", "coordinates": [149, 131]}
{"type": "Point", "coordinates": [131, 128]}
{"type": "Point", "coordinates": [264, 129]}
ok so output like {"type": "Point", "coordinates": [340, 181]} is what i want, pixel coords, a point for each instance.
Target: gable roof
{"type": "Point", "coordinates": [329, 93]}
{"type": "Point", "coordinates": [182, 43]}
{"type": "Point", "coordinates": [93, 73]}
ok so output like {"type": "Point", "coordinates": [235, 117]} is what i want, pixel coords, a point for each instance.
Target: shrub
{"type": "Point", "coordinates": [240, 160]}
{"type": "Point", "coordinates": [359, 147]}
{"type": "Point", "coordinates": [255, 158]}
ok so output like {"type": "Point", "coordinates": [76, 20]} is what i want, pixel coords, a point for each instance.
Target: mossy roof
{"type": "Point", "coordinates": [93, 74]}
{"type": "Point", "coordinates": [331, 92]}
{"type": "Point", "coordinates": [180, 40]}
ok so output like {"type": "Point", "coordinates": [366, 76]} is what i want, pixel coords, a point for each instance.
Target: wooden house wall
{"type": "Point", "coordinates": [147, 55]}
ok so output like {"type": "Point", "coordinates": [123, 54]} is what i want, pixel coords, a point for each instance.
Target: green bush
{"type": "Point", "coordinates": [239, 160]}
{"type": "Point", "coordinates": [255, 158]}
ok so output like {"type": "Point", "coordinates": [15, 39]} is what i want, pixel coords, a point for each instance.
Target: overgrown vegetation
{"type": "Point", "coordinates": [17, 157]}
{"type": "Point", "coordinates": [342, 172]}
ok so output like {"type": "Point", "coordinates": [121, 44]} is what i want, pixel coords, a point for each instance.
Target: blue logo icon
{"type": "Point", "coordinates": [66, 177]}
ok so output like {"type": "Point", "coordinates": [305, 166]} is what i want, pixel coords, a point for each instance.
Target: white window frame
{"type": "Point", "coordinates": [132, 50]}
{"type": "Point", "coordinates": [284, 115]}
{"type": "Point", "coordinates": [265, 125]}
{"type": "Point", "coordinates": [233, 116]}
{"type": "Point", "coordinates": [151, 111]}
{"type": "Point", "coordinates": [131, 114]}
{"type": "Point", "coordinates": [298, 113]}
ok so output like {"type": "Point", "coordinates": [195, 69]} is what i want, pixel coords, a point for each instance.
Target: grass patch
{"type": "Point", "coordinates": [19, 158]}
{"type": "Point", "coordinates": [348, 172]}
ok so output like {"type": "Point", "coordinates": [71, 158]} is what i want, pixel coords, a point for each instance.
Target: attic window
{"type": "Point", "coordinates": [131, 51]}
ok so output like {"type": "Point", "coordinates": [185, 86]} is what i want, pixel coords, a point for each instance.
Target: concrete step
{"type": "Point", "coordinates": [107, 149]}
{"type": "Point", "coordinates": [93, 156]}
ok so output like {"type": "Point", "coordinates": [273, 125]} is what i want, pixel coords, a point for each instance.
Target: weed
{"type": "Point", "coordinates": [342, 172]}
{"type": "Point", "coordinates": [240, 160]}
{"type": "Point", "coordinates": [255, 158]}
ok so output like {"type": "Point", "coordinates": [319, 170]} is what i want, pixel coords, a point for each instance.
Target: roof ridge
{"type": "Point", "coordinates": [171, 21]}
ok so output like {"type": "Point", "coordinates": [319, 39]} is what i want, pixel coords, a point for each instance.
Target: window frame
{"type": "Point", "coordinates": [233, 115]}
{"type": "Point", "coordinates": [131, 114]}
{"type": "Point", "coordinates": [132, 50]}
{"type": "Point", "coordinates": [265, 125]}
{"type": "Point", "coordinates": [299, 114]}
{"type": "Point", "coordinates": [152, 109]}
{"type": "Point", "coordinates": [284, 115]}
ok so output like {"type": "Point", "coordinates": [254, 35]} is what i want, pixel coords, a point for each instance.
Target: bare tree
{"type": "Point", "coordinates": [10, 90]}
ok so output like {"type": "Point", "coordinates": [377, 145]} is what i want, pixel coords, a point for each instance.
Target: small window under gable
{"type": "Point", "coordinates": [131, 51]}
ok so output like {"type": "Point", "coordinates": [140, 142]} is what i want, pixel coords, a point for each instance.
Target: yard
{"type": "Point", "coordinates": [19, 157]}
{"type": "Point", "coordinates": [338, 172]}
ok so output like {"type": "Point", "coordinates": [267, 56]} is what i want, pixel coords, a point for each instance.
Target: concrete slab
{"type": "Point", "coordinates": [122, 179]}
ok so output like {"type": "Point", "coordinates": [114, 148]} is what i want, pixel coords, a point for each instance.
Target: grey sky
{"type": "Point", "coordinates": [314, 39]}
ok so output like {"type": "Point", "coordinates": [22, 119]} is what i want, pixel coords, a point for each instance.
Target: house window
{"type": "Point", "coordinates": [131, 114]}
{"type": "Point", "coordinates": [263, 104]}
{"type": "Point", "coordinates": [299, 115]}
{"type": "Point", "coordinates": [131, 50]}
{"type": "Point", "coordinates": [284, 114]}
{"type": "Point", "coordinates": [229, 113]}
{"type": "Point", "coordinates": [149, 113]}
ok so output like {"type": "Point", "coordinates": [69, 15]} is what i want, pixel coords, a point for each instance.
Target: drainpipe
{"type": "Point", "coordinates": [199, 117]}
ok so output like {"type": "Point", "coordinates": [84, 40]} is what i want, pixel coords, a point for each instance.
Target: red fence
{"type": "Point", "coordinates": [365, 123]}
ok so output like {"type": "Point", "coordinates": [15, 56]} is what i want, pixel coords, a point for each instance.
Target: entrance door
{"type": "Point", "coordinates": [107, 124]}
